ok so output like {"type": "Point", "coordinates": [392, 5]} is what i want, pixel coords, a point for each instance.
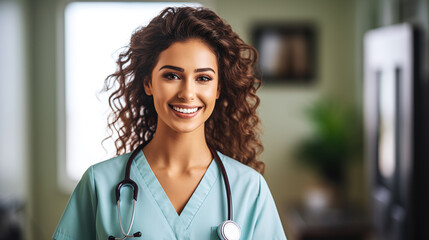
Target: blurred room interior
{"type": "Point", "coordinates": [344, 130]}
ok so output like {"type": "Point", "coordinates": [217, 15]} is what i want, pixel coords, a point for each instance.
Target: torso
{"type": "Point", "coordinates": [179, 187]}
{"type": "Point", "coordinates": [178, 177]}
{"type": "Point", "coordinates": [92, 211]}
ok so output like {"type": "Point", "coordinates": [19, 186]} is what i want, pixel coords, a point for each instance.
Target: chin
{"type": "Point", "coordinates": [187, 129]}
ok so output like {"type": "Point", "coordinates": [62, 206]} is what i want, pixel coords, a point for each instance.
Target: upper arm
{"type": "Point", "coordinates": [78, 219]}
{"type": "Point", "coordinates": [267, 220]}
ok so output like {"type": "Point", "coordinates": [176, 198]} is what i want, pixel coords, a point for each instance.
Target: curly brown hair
{"type": "Point", "coordinates": [233, 127]}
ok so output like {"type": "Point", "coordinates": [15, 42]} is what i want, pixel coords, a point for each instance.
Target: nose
{"type": "Point", "coordinates": [187, 90]}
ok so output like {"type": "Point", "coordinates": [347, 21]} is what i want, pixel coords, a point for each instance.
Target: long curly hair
{"type": "Point", "coordinates": [233, 127]}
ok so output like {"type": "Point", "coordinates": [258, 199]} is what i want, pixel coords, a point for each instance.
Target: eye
{"type": "Point", "coordinates": [171, 76]}
{"type": "Point", "coordinates": [204, 78]}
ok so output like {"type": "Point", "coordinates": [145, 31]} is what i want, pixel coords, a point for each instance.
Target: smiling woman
{"type": "Point", "coordinates": [185, 87]}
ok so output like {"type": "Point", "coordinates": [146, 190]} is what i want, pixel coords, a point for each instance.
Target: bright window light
{"type": "Point", "coordinates": [95, 32]}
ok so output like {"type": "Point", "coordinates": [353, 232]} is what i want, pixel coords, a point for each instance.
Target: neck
{"type": "Point", "coordinates": [178, 151]}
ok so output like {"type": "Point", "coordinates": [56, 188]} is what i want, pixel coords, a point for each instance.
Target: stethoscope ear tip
{"type": "Point", "coordinates": [137, 234]}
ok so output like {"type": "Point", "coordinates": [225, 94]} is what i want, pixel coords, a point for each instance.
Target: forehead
{"type": "Point", "coordinates": [190, 54]}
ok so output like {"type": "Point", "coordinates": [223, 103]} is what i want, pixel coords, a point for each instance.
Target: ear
{"type": "Point", "coordinates": [148, 88]}
{"type": "Point", "coordinates": [218, 91]}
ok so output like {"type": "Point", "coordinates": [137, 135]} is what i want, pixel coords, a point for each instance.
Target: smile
{"type": "Point", "coordinates": [185, 110]}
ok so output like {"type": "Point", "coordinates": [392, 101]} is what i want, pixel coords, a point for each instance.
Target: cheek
{"type": "Point", "coordinates": [163, 92]}
{"type": "Point", "coordinates": [209, 95]}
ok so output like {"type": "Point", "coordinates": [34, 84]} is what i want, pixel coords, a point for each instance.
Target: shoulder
{"type": "Point", "coordinates": [243, 175]}
{"type": "Point", "coordinates": [110, 169]}
{"type": "Point", "coordinates": [236, 167]}
{"type": "Point", "coordinates": [112, 163]}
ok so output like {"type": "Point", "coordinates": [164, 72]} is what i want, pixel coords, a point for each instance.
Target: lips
{"type": "Point", "coordinates": [183, 111]}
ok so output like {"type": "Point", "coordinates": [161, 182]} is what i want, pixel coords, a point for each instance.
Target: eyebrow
{"type": "Point", "coordinates": [182, 70]}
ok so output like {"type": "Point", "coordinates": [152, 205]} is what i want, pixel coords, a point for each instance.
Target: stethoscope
{"type": "Point", "coordinates": [228, 230]}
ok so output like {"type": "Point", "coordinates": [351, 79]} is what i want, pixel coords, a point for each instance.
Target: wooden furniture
{"type": "Point", "coordinates": [332, 224]}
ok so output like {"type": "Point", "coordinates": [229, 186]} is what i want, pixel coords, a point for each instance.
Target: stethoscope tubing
{"type": "Point", "coordinates": [132, 219]}
{"type": "Point", "coordinates": [226, 181]}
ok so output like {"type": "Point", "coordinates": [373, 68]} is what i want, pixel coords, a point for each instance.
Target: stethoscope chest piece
{"type": "Point", "coordinates": [229, 230]}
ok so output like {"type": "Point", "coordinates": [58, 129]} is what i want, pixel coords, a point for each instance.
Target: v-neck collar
{"type": "Point", "coordinates": [179, 223]}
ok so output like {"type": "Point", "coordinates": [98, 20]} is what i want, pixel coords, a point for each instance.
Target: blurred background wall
{"type": "Point", "coordinates": [29, 63]}
{"type": "Point", "coordinates": [14, 116]}
{"type": "Point", "coordinates": [282, 106]}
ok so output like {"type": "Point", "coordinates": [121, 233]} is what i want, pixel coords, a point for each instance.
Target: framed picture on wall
{"type": "Point", "coordinates": [287, 51]}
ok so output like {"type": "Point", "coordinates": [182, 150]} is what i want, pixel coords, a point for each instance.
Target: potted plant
{"type": "Point", "coordinates": [336, 140]}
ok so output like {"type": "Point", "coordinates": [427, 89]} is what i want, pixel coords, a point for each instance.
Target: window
{"type": "Point", "coordinates": [94, 34]}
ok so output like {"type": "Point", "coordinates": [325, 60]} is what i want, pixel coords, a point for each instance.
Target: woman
{"type": "Point", "coordinates": [185, 86]}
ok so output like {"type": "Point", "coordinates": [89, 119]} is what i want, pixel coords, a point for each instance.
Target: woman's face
{"type": "Point", "coordinates": [185, 85]}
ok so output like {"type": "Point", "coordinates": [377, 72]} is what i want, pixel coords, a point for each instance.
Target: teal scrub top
{"type": "Point", "coordinates": [91, 212]}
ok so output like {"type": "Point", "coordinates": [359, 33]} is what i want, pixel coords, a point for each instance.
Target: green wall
{"type": "Point", "coordinates": [48, 202]}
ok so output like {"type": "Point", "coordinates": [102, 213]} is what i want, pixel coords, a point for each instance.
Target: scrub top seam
{"type": "Point", "coordinates": [199, 195]}
{"type": "Point", "coordinates": [60, 235]}
{"type": "Point", "coordinates": [94, 188]}
{"type": "Point", "coordinates": [140, 171]}
{"type": "Point", "coordinates": [208, 193]}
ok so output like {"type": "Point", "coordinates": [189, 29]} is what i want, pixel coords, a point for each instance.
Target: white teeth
{"type": "Point", "coordinates": [185, 110]}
